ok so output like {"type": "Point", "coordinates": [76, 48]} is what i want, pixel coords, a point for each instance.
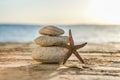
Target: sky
{"type": "Point", "coordinates": [60, 11]}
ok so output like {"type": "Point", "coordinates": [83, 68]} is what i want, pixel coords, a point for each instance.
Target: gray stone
{"type": "Point", "coordinates": [51, 40]}
{"type": "Point", "coordinates": [49, 54]}
{"type": "Point", "coordinates": [51, 30]}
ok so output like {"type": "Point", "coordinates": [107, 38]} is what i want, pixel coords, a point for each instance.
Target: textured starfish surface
{"type": "Point", "coordinates": [73, 49]}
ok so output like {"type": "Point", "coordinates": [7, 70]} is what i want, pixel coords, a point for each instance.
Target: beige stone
{"type": "Point", "coordinates": [51, 40]}
{"type": "Point", "coordinates": [49, 54]}
{"type": "Point", "coordinates": [51, 30]}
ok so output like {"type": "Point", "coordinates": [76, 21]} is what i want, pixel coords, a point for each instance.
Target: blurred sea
{"type": "Point", "coordinates": [81, 33]}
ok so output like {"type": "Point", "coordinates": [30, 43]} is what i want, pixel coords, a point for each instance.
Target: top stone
{"type": "Point", "coordinates": [51, 31]}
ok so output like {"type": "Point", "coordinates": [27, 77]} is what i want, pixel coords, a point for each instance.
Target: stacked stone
{"type": "Point", "coordinates": [49, 49]}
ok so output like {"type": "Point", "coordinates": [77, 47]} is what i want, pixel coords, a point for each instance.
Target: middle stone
{"type": "Point", "coordinates": [52, 40]}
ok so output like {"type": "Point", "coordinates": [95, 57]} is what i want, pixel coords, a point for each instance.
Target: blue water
{"type": "Point", "coordinates": [81, 33]}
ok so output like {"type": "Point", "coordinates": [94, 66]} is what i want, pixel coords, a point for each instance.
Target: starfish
{"type": "Point", "coordinates": [73, 49]}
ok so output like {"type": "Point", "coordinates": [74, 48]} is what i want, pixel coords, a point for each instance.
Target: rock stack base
{"type": "Point", "coordinates": [49, 54]}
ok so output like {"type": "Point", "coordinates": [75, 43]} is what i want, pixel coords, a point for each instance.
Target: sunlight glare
{"type": "Point", "coordinates": [104, 11]}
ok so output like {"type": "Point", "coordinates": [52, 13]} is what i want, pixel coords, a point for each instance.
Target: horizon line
{"type": "Point", "coordinates": [60, 24]}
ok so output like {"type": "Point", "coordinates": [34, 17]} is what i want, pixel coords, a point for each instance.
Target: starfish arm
{"type": "Point", "coordinates": [67, 55]}
{"type": "Point", "coordinates": [71, 38]}
{"type": "Point", "coordinates": [80, 46]}
{"type": "Point", "coordinates": [78, 56]}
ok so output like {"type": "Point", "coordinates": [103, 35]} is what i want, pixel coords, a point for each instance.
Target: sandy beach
{"type": "Point", "coordinates": [102, 62]}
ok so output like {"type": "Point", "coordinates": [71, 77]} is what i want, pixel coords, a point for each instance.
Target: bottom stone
{"type": "Point", "coordinates": [49, 54]}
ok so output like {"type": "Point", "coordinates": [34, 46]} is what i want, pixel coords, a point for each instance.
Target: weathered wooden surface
{"type": "Point", "coordinates": [102, 63]}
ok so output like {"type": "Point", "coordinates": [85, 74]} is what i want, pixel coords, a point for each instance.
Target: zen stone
{"type": "Point", "coordinates": [51, 30]}
{"type": "Point", "coordinates": [49, 54]}
{"type": "Point", "coordinates": [52, 40]}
